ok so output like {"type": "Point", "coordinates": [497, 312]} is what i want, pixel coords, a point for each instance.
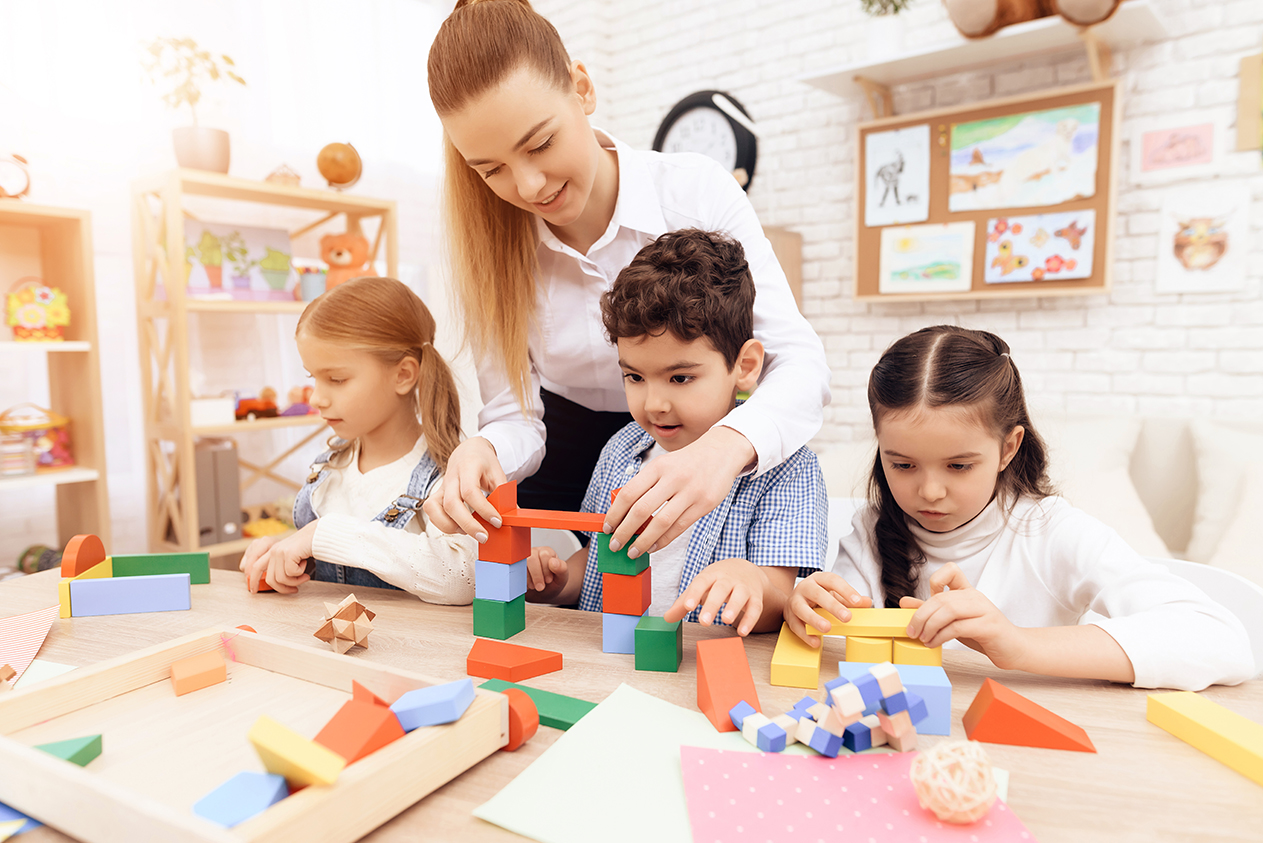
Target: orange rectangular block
{"type": "Point", "coordinates": [198, 672]}
{"type": "Point", "coordinates": [1001, 715]}
{"type": "Point", "coordinates": [622, 594]}
{"type": "Point", "coordinates": [510, 662]}
{"type": "Point", "coordinates": [723, 680]}
{"type": "Point", "coordinates": [505, 545]}
{"type": "Point", "coordinates": [552, 519]}
{"type": "Point", "coordinates": [359, 729]}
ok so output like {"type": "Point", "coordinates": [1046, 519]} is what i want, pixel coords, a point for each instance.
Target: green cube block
{"type": "Point", "coordinates": [555, 710]}
{"type": "Point", "coordinates": [76, 750]}
{"type": "Point", "coordinates": [611, 562]}
{"type": "Point", "coordinates": [496, 619]}
{"type": "Point", "coordinates": [659, 645]}
{"type": "Point", "coordinates": [196, 565]}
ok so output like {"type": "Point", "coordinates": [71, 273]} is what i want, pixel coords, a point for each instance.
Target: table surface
{"type": "Point", "coordinates": [1142, 784]}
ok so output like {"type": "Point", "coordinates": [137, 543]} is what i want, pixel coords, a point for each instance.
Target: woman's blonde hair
{"type": "Point", "coordinates": [385, 318]}
{"type": "Point", "coordinates": [493, 244]}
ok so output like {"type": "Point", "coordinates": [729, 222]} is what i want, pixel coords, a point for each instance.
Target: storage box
{"type": "Point", "coordinates": [48, 432]}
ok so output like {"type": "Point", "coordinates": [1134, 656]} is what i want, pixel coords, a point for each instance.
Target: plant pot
{"type": "Point", "coordinates": [884, 36]}
{"type": "Point", "coordinates": [199, 148]}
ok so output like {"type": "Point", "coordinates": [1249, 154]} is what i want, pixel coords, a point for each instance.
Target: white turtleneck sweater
{"type": "Point", "coordinates": [1048, 564]}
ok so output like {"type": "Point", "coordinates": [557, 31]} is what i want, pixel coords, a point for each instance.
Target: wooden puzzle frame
{"type": "Point", "coordinates": [93, 808]}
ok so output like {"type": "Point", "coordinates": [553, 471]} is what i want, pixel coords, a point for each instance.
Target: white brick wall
{"type": "Point", "coordinates": [1133, 351]}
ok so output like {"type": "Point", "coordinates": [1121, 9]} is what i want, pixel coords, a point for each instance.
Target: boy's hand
{"type": "Point", "coordinates": [827, 591]}
{"type": "Point", "coordinates": [473, 470]}
{"type": "Point", "coordinates": [545, 570]}
{"type": "Point", "coordinates": [737, 582]}
{"type": "Point", "coordinates": [958, 611]}
{"type": "Point", "coordinates": [284, 564]}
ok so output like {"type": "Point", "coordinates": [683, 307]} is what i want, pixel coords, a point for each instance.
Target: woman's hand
{"type": "Point", "coordinates": [676, 489]}
{"type": "Point", "coordinates": [826, 591]}
{"type": "Point", "coordinates": [960, 612]}
{"type": "Point", "coordinates": [473, 470]}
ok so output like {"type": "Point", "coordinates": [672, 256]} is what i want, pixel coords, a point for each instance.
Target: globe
{"type": "Point", "coordinates": [340, 164]}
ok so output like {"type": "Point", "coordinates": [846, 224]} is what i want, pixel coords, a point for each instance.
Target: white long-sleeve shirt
{"type": "Point", "coordinates": [571, 357]}
{"type": "Point", "coordinates": [435, 566]}
{"type": "Point", "coordinates": [1049, 564]}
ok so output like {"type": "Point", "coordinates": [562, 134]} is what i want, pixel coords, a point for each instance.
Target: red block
{"type": "Point", "coordinates": [626, 595]}
{"type": "Point", "coordinates": [510, 662]}
{"type": "Point", "coordinates": [361, 694]}
{"type": "Point", "coordinates": [505, 545]}
{"type": "Point", "coordinates": [591, 522]}
{"type": "Point", "coordinates": [1001, 715]}
{"type": "Point", "coordinates": [723, 680]}
{"type": "Point", "coordinates": [504, 497]}
{"type": "Point", "coordinates": [359, 729]}
{"type": "Point", "coordinates": [523, 718]}
{"type": "Point", "coordinates": [82, 553]}
{"type": "Point", "coordinates": [614, 497]}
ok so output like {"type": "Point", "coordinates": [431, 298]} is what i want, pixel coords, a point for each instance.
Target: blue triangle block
{"type": "Point", "coordinates": [243, 796]}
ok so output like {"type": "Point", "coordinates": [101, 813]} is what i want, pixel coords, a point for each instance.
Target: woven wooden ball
{"type": "Point", "coordinates": [954, 780]}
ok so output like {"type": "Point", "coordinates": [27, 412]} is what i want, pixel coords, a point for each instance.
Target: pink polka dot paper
{"type": "Point", "coordinates": [772, 798]}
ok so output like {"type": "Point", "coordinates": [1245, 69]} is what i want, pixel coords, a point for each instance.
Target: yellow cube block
{"type": "Point", "coordinates": [794, 663]}
{"type": "Point", "coordinates": [1222, 734]}
{"type": "Point", "coordinates": [287, 753]}
{"type": "Point", "coordinates": [860, 648]}
{"type": "Point", "coordinates": [911, 651]}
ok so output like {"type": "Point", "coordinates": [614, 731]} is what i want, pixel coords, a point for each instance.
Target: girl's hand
{"type": "Point", "coordinates": [473, 470]}
{"type": "Point", "coordinates": [737, 582]}
{"type": "Point", "coordinates": [686, 484]}
{"type": "Point", "coordinates": [546, 571]}
{"type": "Point", "coordinates": [254, 560]}
{"type": "Point", "coordinates": [961, 612]}
{"type": "Point", "coordinates": [826, 591]}
{"type": "Point", "coordinates": [285, 563]}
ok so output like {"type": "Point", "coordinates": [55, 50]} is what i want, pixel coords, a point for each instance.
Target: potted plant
{"type": "Point", "coordinates": [275, 267]}
{"type": "Point", "coordinates": [884, 35]}
{"type": "Point", "coordinates": [237, 253]}
{"type": "Point", "coordinates": [181, 64]}
{"type": "Point", "coordinates": [210, 254]}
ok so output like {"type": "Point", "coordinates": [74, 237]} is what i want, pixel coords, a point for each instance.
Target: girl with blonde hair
{"type": "Point", "coordinates": [543, 212]}
{"type": "Point", "coordinates": [392, 404]}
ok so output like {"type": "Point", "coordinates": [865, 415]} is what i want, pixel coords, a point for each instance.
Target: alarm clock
{"type": "Point", "coordinates": [716, 125]}
{"type": "Point", "coordinates": [15, 179]}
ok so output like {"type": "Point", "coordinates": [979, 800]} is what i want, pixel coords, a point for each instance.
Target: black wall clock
{"type": "Point", "coordinates": [716, 125]}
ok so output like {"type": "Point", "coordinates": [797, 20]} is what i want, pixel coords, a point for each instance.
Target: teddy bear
{"type": "Point", "coordinates": [979, 18]}
{"type": "Point", "coordinates": [347, 256]}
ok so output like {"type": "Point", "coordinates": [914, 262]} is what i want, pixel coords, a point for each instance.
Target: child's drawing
{"type": "Point", "coordinates": [935, 258]}
{"type": "Point", "coordinates": [1202, 238]}
{"type": "Point", "coordinates": [238, 262]}
{"type": "Point", "coordinates": [1162, 149]}
{"type": "Point", "coordinates": [1029, 159]}
{"type": "Point", "coordinates": [897, 169]}
{"type": "Point", "coordinates": [1042, 247]}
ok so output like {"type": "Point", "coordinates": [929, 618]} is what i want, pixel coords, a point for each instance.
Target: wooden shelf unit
{"type": "Point", "coordinates": [74, 366]}
{"type": "Point", "coordinates": [163, 308]}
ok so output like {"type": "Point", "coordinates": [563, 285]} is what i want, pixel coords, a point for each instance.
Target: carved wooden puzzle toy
{"type": "Point", "coordinates": [346, 625]}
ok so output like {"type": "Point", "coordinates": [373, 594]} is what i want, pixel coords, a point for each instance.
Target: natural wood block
{"type": "Point", "coordinates": [1001, 715]}
{"type": "Point", "coordinates": [869, 623]}
{"type": "Point", "coordinates": [863, 649]}
{"type": "Point", "coordinates": [795, 664]}
{"type": "Point", "coordinates": [510, 662]}
{"type": "Point", "coordinates": [197, 672]}
{"type": "Point", "coordinates": [359, 729]}
{"type": "Point", "coordinates": [1220, 733]}
{"type": "Point", "coordinates": [911, 651]}
{"type": "Point", "coordinates": [287, 753]}
{"type": "Point", "coordinates": [723, 680]}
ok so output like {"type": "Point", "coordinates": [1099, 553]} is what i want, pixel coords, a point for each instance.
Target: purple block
{"type": "Point", "coordinates": [892, 704]}
{"type": "Point", "coordinates": [129, 595]}
{"type": "Point", "coordinates": [857, 737]}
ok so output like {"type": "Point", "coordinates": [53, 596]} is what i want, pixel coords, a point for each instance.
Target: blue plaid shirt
{"type": "Point", "coordinates": [778, 518]}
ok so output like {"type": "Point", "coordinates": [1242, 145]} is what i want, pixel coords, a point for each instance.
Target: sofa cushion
{"type": "Point", "coordinates": [1226, 452]}
{"type": "Point", "coordinates": [1239, 548]}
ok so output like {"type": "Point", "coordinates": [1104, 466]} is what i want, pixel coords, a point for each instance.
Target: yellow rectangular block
{"type": "Point", "coordinates": [860, 648]}
{"type": "Point", "coordinates": [911, 651]}
{"type": "Point", "coordinates": [63, 597]}
{"type": "Point", "coordinates": [870, 623]}
{"type": "Point", "coordinates": [100, 571]}
{"type": "Point", "coordinates": [287, 753]}
{"type": "Point", "coordinates": [794, 663]}
{"type": "Point", "coordinates": [1222, 734]}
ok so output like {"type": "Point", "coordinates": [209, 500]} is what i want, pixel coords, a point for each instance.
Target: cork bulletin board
{"type": "Point", "coordinates": [1006, 198]}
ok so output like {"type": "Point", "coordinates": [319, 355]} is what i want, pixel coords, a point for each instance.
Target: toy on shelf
{"type": "Point", "coordinates": [978, 20]}
{"type": "Point", "coordinates": [346, 625]}
{"type": "Point", "coordinates": [954, 780]}
{"type": "Point", "coordinates": [263, 407]}
{"type": "Point", "coordinates": [17, 459]}
{"type": "Point", "coordinates": [48, 433]}
{"type": "Point", "coordinates": [1001, 715]}
{"type": "Point", "coordinates": [284, 175]}
{"type": "Point", "coordinates": [299, 398]}
{"type": "Point", "coordinates": [340, 164]}
{"type": "Point", "coordinates": [347, 256]}
{"type": "Point", "coordinates": [35, 311]}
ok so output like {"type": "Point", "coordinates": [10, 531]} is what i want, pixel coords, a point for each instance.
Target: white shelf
{"type": "Point", "coordinates": [50, 478]}
{"type": "Point", "coordinates": [1135, 22]}
{"type": "Point", "coordinates": [15, 345]}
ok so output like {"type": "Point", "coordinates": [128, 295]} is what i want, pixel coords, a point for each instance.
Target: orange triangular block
{"type": "Point", "coordinates": [1001, 715]}
{"type": "Point", "coordinates": [510, 662]}
{"type": "Point", "coordinates": [361, 694]}
{"type": "Point", "coordinates": [504, 497]}
{"type": "Point", "coordinates": [358, 729]}
{"type": "Point", "coordinates": [723, 680]}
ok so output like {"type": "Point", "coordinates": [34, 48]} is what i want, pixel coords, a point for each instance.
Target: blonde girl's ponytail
{"type": "Point", "coordinates": [439, 403]}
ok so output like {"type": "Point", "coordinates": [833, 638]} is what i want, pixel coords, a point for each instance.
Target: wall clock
{"type": "Point", "coordinates": [15, 179]}
{"type": "Point", "coordinates": [716, 125]}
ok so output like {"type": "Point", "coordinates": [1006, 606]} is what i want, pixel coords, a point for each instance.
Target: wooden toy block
{"type": "Point", "coordinates": [887, 676]}
{"type": "Point", "coordinates": [789, 724]}
{"type": "Point", "coordinates": [63, 598]}
{"type": "Point", "coordinates": [617, 562]}
{"type": "Point", "coordinates": [903, 743]}
{"type": "Point", "coordinates": [627, 595]}
{"type": "Point", "coordinates": [1001, 715]}
{"type": "Point", "coordinates": [928, 682]}
{"type": "Point", "coordinates": [794, 714]}
{"type": "Point", "coordinates": [510, 662]}
{"type": "Point", "coordinates": [860, 648]}
{"type": "Point", "coordinates": [818, 712]}
{"type": "Point", "coordinates": [523, 718]}
{"type": "Point", "coordinates": [917, 708]}
{"type": "Point", "coordinates": [794, 663]}
{"type": "Point", "coordinates": [869, 623]}
{"type": "Point", "coordinates": [805, 703]}
{"type": "Point", "coordinates": [618, 633]}
{"type": "Point", "coordinates": [659, 645]}
{"type": "Point", "coordinates": [876, 734]}
{"type": "Point", "coordinates": [818, 738]}
{"type": "Point", "coordinates": [1219, 732]}
{"type": "Point", "coordinates": [101, 571]}
{"type": "Point", "coordinates": [130, 595]}
{"type": "Point", "coordinates": [505, 545]}
{"type": "Point", "coordinates": [895, 703]}
{"type": "Point", "coordinates": [197, 672]}
{"type": "Point", "coordinates": [346, 624]}
{"type": "Point", "coordinates": [847, 701]}
{"type": "Point", "coordinates": [496, 581]}
{"type": "Point", "coordinates": [359, 729]}
{"type": "Point", "coordinates": [287, 753]}
{"type": "Point", "coordinates": [895, 724]}
{"type": "Point", "coordinates": [82, 553]}
{"type": "Point", "coordinates": [555, 710]}
{"type": "Point", "coordinates": [504, 497]}
{"type": "Point", "coordinates": [723, 679]}
{"type": "Point", "coordinates": [435, 705]}
{"type": "Point", "coordinates": [870, 691]}
{"type": "Point", "coordinates": [910, 651]}
{"type": "Point", "coordinates": [858, 737]}
{"type": "Point", "coordinates": [6, 673]}
{"type": "Point", "coordinates": [551, 519]}
{"type": "Point", "coordinates": [243, 796]}
{"type": "Point", "coordinates": [361, 694]}
{"type": "Point", "coordinates": [196, 565]}
{"type": "Point", "coordinates": [836, 721]}
{"type": "Point", "coordinates": [758, 730]}
{"type": "Point", "coordinates": [498, 619]}
{"type": "Point", "coordinates": [739, 712]}
{"type": "Point", "coordinates": [75, 750]}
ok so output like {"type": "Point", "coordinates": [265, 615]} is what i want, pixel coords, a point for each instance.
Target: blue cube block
{"type": "Point", "coordinates": [434, 705]}
{"type": "Point", "coordinates": [830, 685]}
{"type": "Point", "coordinates": [804, 704]}
{"type": "Point", "coordinates": [857, 737]}
{"type": "Point", "coordinates": [917, 709]}
{"type": "Point", "coordinates": [929, 682]}
{"type": "Point", "coordinates": [739, 713]}
{"type": "Point", "coordinates": [618, 632]}
{"type": "Point", "coordinates": [243, 796]}
{"type": "Point", "coordinates": [869, 690]}
{"type": "Point", "coordinates": [502, 583]}
{"type": "Point", "coordinates": [895, 703]}
{"type": "Point", "coordinates": [771, 738]}
{"type": "Point", "coordinates": [825, 743]}
{"type": "Point", "coordinates": [799, 714]}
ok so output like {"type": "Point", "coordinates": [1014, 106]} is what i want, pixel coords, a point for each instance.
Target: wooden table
{"type": "Point", "coordinates": [1142, 784]}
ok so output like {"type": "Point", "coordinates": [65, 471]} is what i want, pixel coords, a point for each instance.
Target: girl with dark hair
{"type": "Point", "coordinates": [963, 526]}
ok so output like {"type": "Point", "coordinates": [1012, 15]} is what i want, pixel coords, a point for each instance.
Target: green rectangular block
{"type": "Point", "coordinates": [196, 565]}
{"type": "Point", "coordinates": [555, 710]}
{"type": "Point", "coordinates": [659, 645]}
{"type": "Point", "coordinates": [500, 620]}
{"type": "Point", "coordinates": [76, 750]}
{"type": "Point", "coordinates": [611, 562]}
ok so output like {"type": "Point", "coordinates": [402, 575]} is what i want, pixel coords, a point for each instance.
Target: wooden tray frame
{"type": "Point", "coordinates": [366, 794]}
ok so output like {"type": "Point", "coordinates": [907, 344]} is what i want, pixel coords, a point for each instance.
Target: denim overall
{"type": "Point", "coordinates": [397, 515]}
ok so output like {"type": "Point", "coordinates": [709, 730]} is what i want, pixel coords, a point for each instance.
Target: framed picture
{"type": "Point", "coordinates": [236, 262]}
{"type": "Point", "coordinates": [1174, 148]}
{"type": "Point", "coordinates": [933, 258]}
{"type": "Point", "coordinates": [1203, 238]}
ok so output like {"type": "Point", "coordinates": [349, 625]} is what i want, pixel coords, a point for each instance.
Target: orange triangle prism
{"type": "Point", "coordinates": [1001, 715]}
